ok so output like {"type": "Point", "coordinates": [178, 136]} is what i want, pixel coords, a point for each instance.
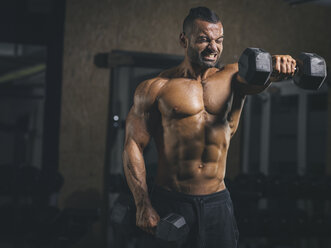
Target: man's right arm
{"type": "Point", "coordinates": [138, 132]}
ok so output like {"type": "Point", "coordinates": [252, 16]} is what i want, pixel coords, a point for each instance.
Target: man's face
{"type": "Point", "coordinates": [205, 43]}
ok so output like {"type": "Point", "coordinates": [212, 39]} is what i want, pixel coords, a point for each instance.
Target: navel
{"type": "Point", "coordinates": [204, 114]}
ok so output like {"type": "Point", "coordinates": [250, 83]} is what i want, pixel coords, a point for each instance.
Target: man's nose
{"type": "Point", "coordinates": [213, 46]}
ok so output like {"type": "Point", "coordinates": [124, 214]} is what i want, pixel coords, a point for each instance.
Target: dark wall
{"type": "Point", "coordinates": [92, 27]}
{"type": "Point", "coordinates": [40, 23]}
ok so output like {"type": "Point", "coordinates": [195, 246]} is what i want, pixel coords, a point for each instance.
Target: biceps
{"type": "Point", "coordinates": [137, 130]}
{"type": "Point", "coordinates": [132, 153]}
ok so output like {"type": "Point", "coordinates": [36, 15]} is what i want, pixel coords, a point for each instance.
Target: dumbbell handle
{"type": "Point", "coordinates": [310, 72]}
{"type": "Point", "coordinates": [276, 76]}
{"type": "Point", "coordinates": [300, 64]}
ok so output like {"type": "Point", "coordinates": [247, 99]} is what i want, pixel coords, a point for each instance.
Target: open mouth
{"type": "Point", "coordinates": [209, 56]}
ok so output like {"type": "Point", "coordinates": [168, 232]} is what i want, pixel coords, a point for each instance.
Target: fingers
{"type": "Point", "coordinates": [153, 221]}
{"type": "Point", "coordinates": [284, 66]}
{"type": "Point", "coordinates": [288, 67]}
{"type": "Point", "coordinates": [294, 65]}
{"type": "Point", "coordinates": [277, 62]}
{"type": "Point", "coordinates": [148, 226]}
{"type": "Point", "coordinates": [147, 220]}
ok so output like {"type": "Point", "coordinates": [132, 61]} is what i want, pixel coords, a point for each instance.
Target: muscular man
{"type": "Point", "coordinates": [191, 111]}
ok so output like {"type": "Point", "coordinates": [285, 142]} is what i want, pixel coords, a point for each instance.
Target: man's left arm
{"type": "Point", "coordinates": [283, 66]}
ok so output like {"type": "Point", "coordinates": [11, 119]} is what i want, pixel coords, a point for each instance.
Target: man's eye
{"type": "Point", "coordinates": [219, 41]}
{"type": "Point", "coordinates": [202, 40]}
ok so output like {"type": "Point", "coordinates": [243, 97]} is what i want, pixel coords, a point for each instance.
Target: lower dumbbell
{"type": "Point", "coordinates": [171, 228]}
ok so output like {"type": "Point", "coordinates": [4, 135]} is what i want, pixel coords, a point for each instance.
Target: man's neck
{"type": "Point", "coordinates": [195, 71]}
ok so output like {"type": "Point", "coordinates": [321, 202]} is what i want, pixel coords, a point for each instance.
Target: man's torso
{"type": "Point", "coordinates": [196, 120]}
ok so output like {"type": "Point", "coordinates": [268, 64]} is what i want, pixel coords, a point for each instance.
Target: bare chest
{"type": "Point", "coordinates": [182, 98]}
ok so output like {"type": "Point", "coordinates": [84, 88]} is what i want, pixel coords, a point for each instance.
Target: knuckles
{"type": "Point", "coordinates": [147, 221]}
{"type": "Point", "coordinates": [284, 64]}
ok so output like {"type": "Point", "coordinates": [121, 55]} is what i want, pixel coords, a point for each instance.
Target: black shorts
{"type": "Point", "coordinates": [210, 219]}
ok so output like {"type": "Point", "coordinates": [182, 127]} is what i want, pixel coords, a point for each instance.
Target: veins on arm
{"type": "Point", "coordinates": [139, 129]}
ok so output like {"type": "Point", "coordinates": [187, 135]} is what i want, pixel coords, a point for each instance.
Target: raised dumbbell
{"type": "Point", "coordinates": [171, 228]}
{"type": "Point", "coordinates": [311, 71]}
{"type": "Point", "coordinates": [255, 66]}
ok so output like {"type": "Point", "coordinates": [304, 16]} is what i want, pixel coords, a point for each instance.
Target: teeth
{"type": "Point", "coordinates": [211, 56]}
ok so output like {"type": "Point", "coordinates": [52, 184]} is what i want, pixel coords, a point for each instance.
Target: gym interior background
{"type": "Point", "coordinates": [68, 71]}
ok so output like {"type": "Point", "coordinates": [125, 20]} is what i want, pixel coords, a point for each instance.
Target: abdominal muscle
{"type": "Point", "coordinates": [192, 160]}
{"type": "Point", "coordinates": [189, 178]}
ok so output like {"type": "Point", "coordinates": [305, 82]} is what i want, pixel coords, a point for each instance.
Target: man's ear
{"type": "Point", "coordinates": [183, 40]}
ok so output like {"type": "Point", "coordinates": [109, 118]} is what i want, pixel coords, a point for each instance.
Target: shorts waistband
{"type": "Point", "coordinates": [213, 197]}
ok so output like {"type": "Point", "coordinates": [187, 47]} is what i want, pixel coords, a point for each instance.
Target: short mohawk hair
{"type": "Point", "coordinates": [202, 13]}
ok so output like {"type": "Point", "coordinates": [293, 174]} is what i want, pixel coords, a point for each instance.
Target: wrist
{"type": "Point", "coordinates": [143, 202]}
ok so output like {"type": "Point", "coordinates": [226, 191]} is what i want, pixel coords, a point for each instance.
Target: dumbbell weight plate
{"type": "Point", "coordinates": [171, 228]}
{"type": "Point", "coordinates": [312, 71]}
{"type": "Point", "coordinates": [255, 66]}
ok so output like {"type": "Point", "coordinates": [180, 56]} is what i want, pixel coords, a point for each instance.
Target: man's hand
{"type": "Point", "coordinates": [284, 66]}
{"type": "Point", "coordinates": [147, 218]}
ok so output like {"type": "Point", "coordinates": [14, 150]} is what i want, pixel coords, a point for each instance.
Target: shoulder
{"type": "Point", "coordinates": [147, 93]}
{"type": "Point", "coordinates": [231, 68]}
{"type": "Point", "coordinates": [227, 72]}
{"type": "Point", "coordinates": [150, 87]}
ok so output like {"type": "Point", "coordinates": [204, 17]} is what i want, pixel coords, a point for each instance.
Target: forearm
{"type": "Point", "coordinates": [251, 80]}
{"type": "Point", "coordinates": [135, 172]}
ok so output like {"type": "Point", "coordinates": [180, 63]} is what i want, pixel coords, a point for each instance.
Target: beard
{"type": "Point", "coordinates": [197, 58]}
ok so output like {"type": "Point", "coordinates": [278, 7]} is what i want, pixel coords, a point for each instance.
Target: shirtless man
{"type": "Point", "coordinates": [191, 111]}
